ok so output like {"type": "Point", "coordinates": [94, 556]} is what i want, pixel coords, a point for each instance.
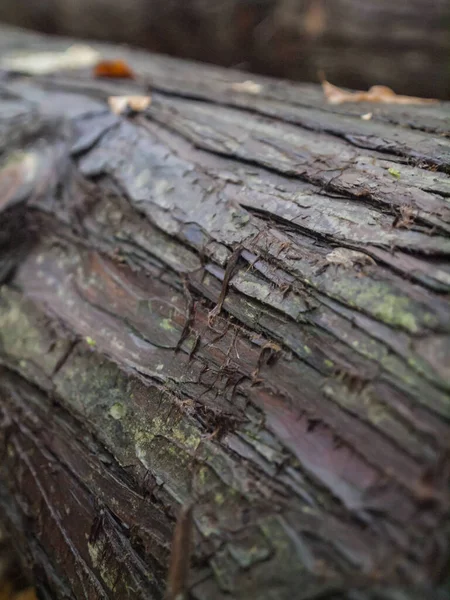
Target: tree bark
{"type": "Point", "coordinates": [357, 43]}
{"type": "Point", "coordinates": [233, 303]}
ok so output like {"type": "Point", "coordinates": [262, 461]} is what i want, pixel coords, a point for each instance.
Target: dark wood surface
{"type": "Point", "coordinates": [303, 408]}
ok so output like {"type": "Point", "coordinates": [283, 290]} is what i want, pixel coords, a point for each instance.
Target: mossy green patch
{"type": "Point", "coordinates": [117, 411]}
{"type": "Point", "coordinates": [219, 498]}
{"type": "Point", "coordinates": [250, 549]}
{"type": "Point", "coordinates": [107, 572]}
{"type": "Point", "coordinates": [383, 302]}
{"type": "Point", "coordinates": [167, 325]}
{"type": "Point", "coordinates": [26, 337]}
{"type": "Point", "coordinates": [394, 172]}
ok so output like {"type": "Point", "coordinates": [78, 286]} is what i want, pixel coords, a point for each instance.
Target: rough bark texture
{"type": "Point", "coordinates": [232, 299]}
{"type": "Point", "coordinates": [358, 43]}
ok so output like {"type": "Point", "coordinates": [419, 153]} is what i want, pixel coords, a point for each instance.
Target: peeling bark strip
{"type": "Point", "coordinates": [315, 404]}
{"type": "Point", "coordinates": [178, 577]}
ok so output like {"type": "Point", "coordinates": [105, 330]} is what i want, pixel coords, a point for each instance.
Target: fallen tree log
{"type": "Point", "coordinates": [231, 304]}
{"type": "Point", "coordinates": [357, 43]}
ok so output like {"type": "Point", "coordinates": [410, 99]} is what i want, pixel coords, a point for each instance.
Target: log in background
{"type": "Point", "coordinates": [404, 44]}
{"type": "Point", "coordinates": [309, 420]}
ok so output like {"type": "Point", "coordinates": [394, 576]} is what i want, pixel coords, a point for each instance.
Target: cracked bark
{"type": "Point", "coordinates": [307, 420]}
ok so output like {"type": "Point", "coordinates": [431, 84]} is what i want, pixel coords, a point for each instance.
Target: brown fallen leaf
{"type": "Point", "coordinates": [114, 69]}
{"type": "Point", "coordinates": [119, 104]}
{"type": "Point", "coordinates": [377, 93]}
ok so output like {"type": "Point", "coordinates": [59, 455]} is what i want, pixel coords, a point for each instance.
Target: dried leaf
{"type": "Point", "coordinates": [114, 69]}
{"type": "Point", "coordinates": [248, 87]}
{"type": "Point", "coordinates": [41, 63]}
{"type": "Point", "coordinates": [378, 93]}
{"type": "Point", "coordinates": [119, 104]}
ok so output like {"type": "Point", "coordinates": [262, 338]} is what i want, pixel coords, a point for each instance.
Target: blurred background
{"type": "Point", "coordinates": [404, 44]}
